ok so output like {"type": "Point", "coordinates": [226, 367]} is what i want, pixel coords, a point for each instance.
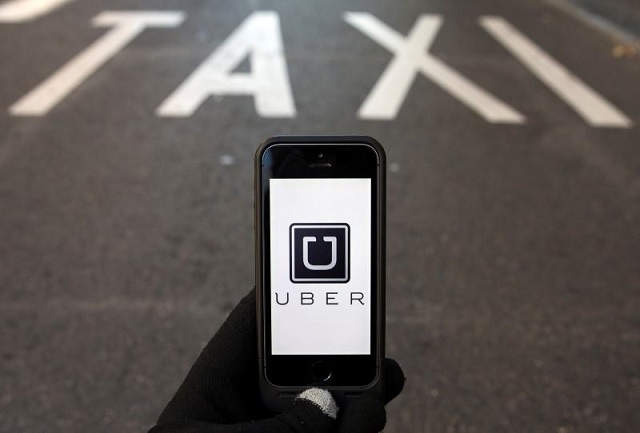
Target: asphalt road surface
{"type": "Point", "coordinates": [127, 134]}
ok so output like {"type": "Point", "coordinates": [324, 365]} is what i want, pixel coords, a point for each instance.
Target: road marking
{"type": "Point", "coordinates": [592, 107]}
{"type": "Point", "coordinates": [411, 56]}
{"type": "Point", "coordinates": [259, 39]}
{"type": "Point", "coordinates": [126, 26]}
{"type": "Point", "coordinates": [17, 11]}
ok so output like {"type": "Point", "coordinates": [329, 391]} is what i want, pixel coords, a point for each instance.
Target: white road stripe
{"type": "Point", "coordinates": [126, 26]}
{"type": "Point", "coordinates": [17, 11]}
{"type": "Point", "coordinates": [596, 110]}
{"type": "Point", "coordinates": [411, 56]}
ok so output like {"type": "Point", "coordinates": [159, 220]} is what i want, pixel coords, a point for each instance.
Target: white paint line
{"type": "Point", "coordinates": [411, 56]}
{"type": "Point", "coordinates": [592, 107]}
{"type": "Point", "coordinates": [259, 38]}
{"type": "Point", "coordinates": [126, 26]}
{"type": "Point", "coordinates": [17, 11]}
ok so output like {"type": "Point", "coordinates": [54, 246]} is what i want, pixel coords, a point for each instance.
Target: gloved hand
{"type": "Point", "coordinates": [220, 394]}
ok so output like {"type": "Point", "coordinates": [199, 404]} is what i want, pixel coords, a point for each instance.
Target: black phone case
{"type": "Point", "coordinates": [278, 398]}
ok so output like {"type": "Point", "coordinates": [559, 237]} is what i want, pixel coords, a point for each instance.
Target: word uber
{"type": "Point", "coordinates": [258, 38]}
{"type": "Point", "coordinates": [326, 298]}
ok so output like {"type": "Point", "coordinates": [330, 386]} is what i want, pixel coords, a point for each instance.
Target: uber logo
{"type": "Point", "coordinates": [319, 253]}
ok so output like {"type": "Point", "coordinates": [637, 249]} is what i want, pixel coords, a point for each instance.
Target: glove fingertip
{"type": "Point", "coordinates": [314, 411]}
{"type": "Point", "coordinates": [322, 399]}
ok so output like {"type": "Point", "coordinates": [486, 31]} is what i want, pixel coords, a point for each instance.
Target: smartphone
{"type": "Point", "coordinates": [320, 266]}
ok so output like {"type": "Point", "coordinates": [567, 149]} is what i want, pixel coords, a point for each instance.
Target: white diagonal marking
{"type": "Point", "coordinates": [593, 108]}
{"type": "Point", "coordinates": [17, 11]}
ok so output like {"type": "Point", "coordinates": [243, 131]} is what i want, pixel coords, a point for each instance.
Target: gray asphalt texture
{"type": "Point", "coordinates": [624, 14]}
{"type": "Point", "coordinates": [513, 251]}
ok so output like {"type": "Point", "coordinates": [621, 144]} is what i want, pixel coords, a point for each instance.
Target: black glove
{"type": "Point", "coordinates": [220, 394]}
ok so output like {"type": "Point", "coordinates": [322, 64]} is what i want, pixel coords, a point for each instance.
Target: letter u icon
{"type": "Point", "coordinates": [305, 253]}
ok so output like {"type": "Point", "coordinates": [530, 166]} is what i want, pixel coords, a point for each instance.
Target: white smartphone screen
{"type": "Point", "coordinates": [320, 249]}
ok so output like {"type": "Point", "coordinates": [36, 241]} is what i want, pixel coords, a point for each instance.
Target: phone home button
{"type": "Point", "coordinates": [321, 371]}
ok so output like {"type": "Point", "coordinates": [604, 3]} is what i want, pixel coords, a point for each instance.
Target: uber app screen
{"type": "Point", "coordinates": [320, 266]}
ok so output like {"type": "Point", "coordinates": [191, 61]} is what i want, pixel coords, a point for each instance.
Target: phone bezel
{"type": "Point", "coordinates": [346, 155]}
